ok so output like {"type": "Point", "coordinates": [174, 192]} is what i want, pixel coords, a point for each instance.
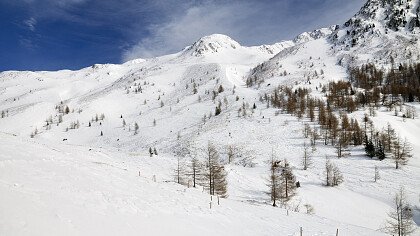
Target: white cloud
{"type": "Point", "coordinates": [182, 30]}
{"type": "Point", "coordinates": [30, 24]}
{"type": "Point", "coordinates": [27, 43]}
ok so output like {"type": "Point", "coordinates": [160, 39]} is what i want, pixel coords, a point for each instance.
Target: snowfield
{"type": "Point", "coordinates": [68, 190]}
{"type": "Point", "coordinates": [91, 174]}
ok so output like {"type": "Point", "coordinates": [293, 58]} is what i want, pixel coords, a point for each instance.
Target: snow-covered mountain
{"type": "Point", "coordinates": [381, 30]}
{"type": "Point", "coordinates": [87, 168]}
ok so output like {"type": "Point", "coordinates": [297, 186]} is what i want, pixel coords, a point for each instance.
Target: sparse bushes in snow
{"type": "Point", "coordinates": [333, 176]}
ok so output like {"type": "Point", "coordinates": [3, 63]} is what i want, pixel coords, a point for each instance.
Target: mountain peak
{"type": "Point", "coordinates": [378, 18]}
{"type": "Point", "coordinates": [212, 44]}
{"type": "Point", "coordinates": [395, 14]}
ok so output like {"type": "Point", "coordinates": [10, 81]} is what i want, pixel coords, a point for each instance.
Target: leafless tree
{"type": "Point", "coordinates": [287, 182]}
{"type": "Point", "coordinates": [195, 170]}
{"type": "Point", "coordinates": [306, 158]}
{"type": "Point", "coordinates": [274, 180]}
{"type": "Point", "coordinates": [179, 171]}
{"type": "Point", "coordinates": [216, 174]}
{"type": "Point", "coordinates": [401, 152]}
{"type": "Point", "coordinates": [377, 176]}
{"type": "Point", "coordinates": [401, 217]}
{"type": "Point", "coordinates": [333, 174]}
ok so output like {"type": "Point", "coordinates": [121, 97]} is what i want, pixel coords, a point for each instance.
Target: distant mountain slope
{"type": "Point", "coordinates": [383, 31]}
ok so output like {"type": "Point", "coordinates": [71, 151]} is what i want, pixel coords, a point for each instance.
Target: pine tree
{"type": "Point", "coordinates": [380, 151]}
{"type": "Point", "coordinates": [136, 128]}
{"type": "Point", "coordinates": [221, 89]}
{"type": "Point", "coordinates": [369, 147]}
{"type": "Point", "coordinates": [217, 111]}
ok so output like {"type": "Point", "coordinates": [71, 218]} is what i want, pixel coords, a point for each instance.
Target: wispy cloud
{"type": "Point", "coordinates": [30, 24]}
{"type": "Point", "coordinates": [181, 30]}
{"type": "Point", "coordinates": [27, 43]}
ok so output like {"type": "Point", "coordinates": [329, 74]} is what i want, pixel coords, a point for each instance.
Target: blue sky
{"type": "Point", "coordinates": [71, 34]}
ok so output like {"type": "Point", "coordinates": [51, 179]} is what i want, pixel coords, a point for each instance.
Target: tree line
{"type": "Point", "coordinates": [400, 84]}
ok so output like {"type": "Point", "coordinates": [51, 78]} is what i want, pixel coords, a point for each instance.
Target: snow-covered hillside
{"type": "Point", "coordinates": [74, 145]}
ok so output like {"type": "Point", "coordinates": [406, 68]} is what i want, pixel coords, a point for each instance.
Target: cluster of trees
{"type": "Point", "coordinates": [97, 118]}
{"type": "Point", "coordinates": [136, 87]}
{"type": "Point", "coordinates": [211, 173]}
{"type": "Point", "coordinates": [62, 108]}
{"type": "Point", "coordinates": [281, 181]}
{"type": "Point", "coordinates": [400, 84]}
{"type": "Point", "coordinates": [246, 109]}
{"type": "Point", "coordinates": [386, 143]}
{"type": "Point", "coordinates": [333, 176]}
{"type": "Point", "coordinates": [152, 151]}
{"type": "Point", "coordinates": [342, 95]}
{"type": "Point", "coordinates": [73, 125]}
{"type": "Point", "coordinates": [254, 79]}
{"type": "Point", "coordinates": [337, 130]}
{"type": "Point", "coordinates": [4, 113]}
{"type": "Point", "coordinates": [34, 133]}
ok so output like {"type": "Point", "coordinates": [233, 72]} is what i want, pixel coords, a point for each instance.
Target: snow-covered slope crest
{"type": "Point", "coordinates": [315, 34]}
{"type": "Point", "coordinates": [219, 43]}
{"type": "Point", "coordinates": [274, 48]}
{"type": "Point", "coordinates": [211, 44]}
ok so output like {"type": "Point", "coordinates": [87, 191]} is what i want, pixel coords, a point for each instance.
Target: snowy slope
{"type": "Point", "coordinates": [68, 190]}
{"type": "Point", "coordinates": [77, 181]}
